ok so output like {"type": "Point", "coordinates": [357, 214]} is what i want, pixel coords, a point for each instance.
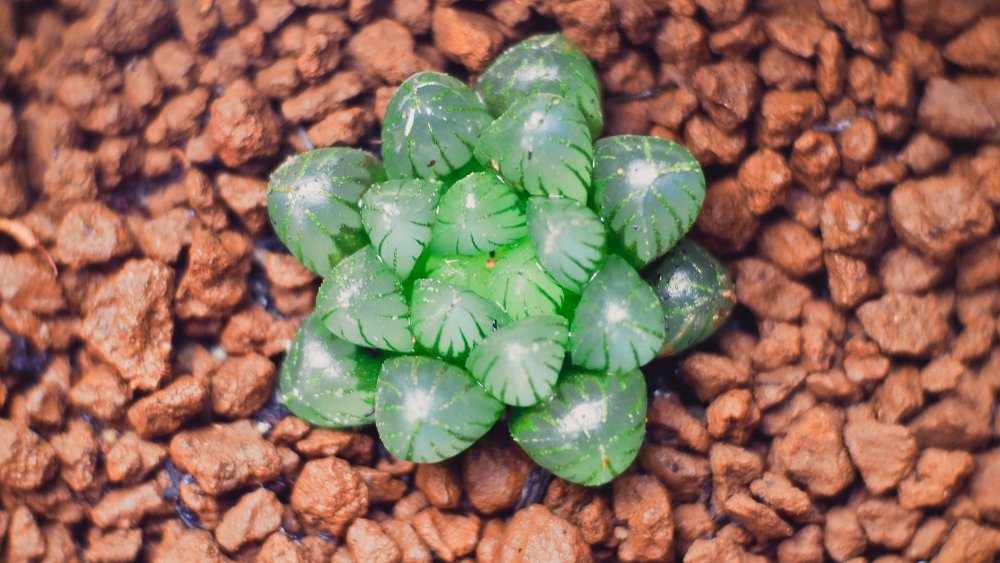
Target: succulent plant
{"type": "Point", "coordinates": [496, 260]}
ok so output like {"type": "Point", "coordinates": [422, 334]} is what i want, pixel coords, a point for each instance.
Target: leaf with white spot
{"type": "Point", "coordinates": [431, 126]}
{"type": "Point", "coordinates": [696, 292]}
{"type": "Point", "coordinates": [327, 381]}
{"type": "Point", "coordinates": [428, 411]}
{"type": "Point", "coordinates": [479, 213]}
{"type": "Point", "coordinates": [521, 286]}
{"type": "Point", "coordinates": [543, 64]}
{"type": "Point", "coordinates": [398, 216]}
{"type": "Point", "coordinates": [618, 325]}
{"type": "Point", "coordinates": [541, 145]}
{"type": "Point", "coordinates": [649, 190]}
{"type": "Point", "coordinates": [312, 200]}
{"type": "Point", "coordinates": [362, 302]}
{"type": "Point", "coordinates": [520, 363]}
{"type": "Point", "coordinates": [449, 320]}
{"type": "Point", "coordinates": [590, 431]}
{"type": "Point", "coordinates": [570, 240]}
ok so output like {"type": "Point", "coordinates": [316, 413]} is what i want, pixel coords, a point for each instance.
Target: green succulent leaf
{"type": "Point", "coordinates": [618, 325]}
{"type": "Point", "coordinates": [649, 190]}
{"type": "Point", "coordinates": [398, 216]}
{"type": "Point", "coordinates": [327, 381]}
{"type": "Point", "coordinates": [541, 145]}
{"type": "Point", "coordinates": [362, 301]}
{"type": "Point", "coordinates": [520, 363]}
{"type": "Point", "coordinates": [590, 430]}
{"type": "Point", "coordinates": [479, 213]}
{"type": "Point", "coordinates": [467, 272]}
{"type": "Point", "coordinates": [431, 126]}
{"type": "Point", "coordinates": [544, 64]}
{"type": "Point", "coordinates": [428, 411]}
{"type": "Point", "coordinates": [520, 285]}
{"type": "Point", "coordinates": [696, 292]}
{"type": "Point", "coordinates": [312, 200]}
{"type": "Point", "coordinates": [570, 240]}
{"type": "Point", "coordinates": [449, 320]}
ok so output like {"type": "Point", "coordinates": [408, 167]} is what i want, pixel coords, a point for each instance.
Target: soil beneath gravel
{"type": "Point", "coordinates": [846, 412]}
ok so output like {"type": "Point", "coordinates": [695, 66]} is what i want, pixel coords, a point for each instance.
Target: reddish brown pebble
{"type": "Point", "coordinates": [440, 483]}
{"type": "Point", "coordinates": [252, 519]}
{"type": "Point", "coordinates": [536, 534]}
{"type": "Point", "coordinates": [166, 410]}
{"type": "Point", "coordinates": [757, 281]}
{"type": "Point", "coordinates": [883, 453]}
{"type": "Point", "coordinates": [451, 536]}
{"type": "Point", "coordinates": [242, 385]}
{"type": "Point", "coordinates": [368, 542]}
{"type": "Point", "coordinates": [938, 215]}
{"type": "Point", "coordinates": [329, 495]}
{"type": "Point", "coordinates": [242, 125]}
{"type": "Point", "coordinates": [937, 477]}
{"type": "Point", "coordinates": [904, 324]}
{"type": "Point", "coordinates": [26, 460]}
{"type": "Point", "coordinates": [224, 457]}
{"type": "Point", "coordinates": [494, 473]}
{"type": "Point", "coordinates": [813, 453]}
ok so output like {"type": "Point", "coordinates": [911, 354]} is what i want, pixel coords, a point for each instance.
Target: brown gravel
{"type": "Point", "coordinates": [847, 412]}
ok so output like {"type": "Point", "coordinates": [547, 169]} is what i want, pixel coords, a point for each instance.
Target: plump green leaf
{"type": "Point", "coordinates": [327, 381]}
{"type": "Point", "coordinates": [696, 293]}
{"type": "Point", "coordinates": [362, 301]}
{"type": "Point", "coordinates": [541, 145]}
{"type": "Point", "coordinates": [618, 325]}
{"type": "Point", "coordinates": [449, 320]}
{"type": "Point", "coordinates": [521, 286]}
{"type": "Point", "coordinates": [649, 190]}
{"type": "Point", "coordinates": [431, 125]}
{"type": "Point", "coordinates": [543, 64]}
{"type": "Point", "coordinates": [569, 239]}
{"type": "Point", "coordinates": [398, 216]}
{"type": "Point", "coordinates": [428, 411]}
{"type": "Point", "coordinates": [479, 213]}
{"type": "Point", "coordinates": [467, 272]}
{"type": "Point", "coordinates": [520, 363]}
{"type": "Point", "coordinates": [590, 431]}
{"type": "Point", "coordinates": [312, 200]}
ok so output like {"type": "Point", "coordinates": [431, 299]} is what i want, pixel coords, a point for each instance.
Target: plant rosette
{"type": "Point", "coordinates": [497, 259]}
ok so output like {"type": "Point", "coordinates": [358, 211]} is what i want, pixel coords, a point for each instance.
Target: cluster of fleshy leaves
{"type": "Point", "coordinates": [492, 259]}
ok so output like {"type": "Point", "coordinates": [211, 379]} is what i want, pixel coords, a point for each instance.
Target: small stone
{"type": "Point", "coordinates": [534, 533]}
{"type": "Point", "coordinates": [126, 508]}
{"type": "Point", "coordinates": [711, 374]}
{"type": "Point", "coordinates": [242, 125]}
{"type": "Point", "coordinates": [850, 280]}
{"type": "Point", "coordinates": [791, 247]}
{"type": "Point", "coordinates": [883, 453]}
{"type": "Point", "coordinates": [728, 92]}
{"type": "Point", "coordinates": [977, 47]}
{"type": "Point", "coordinates": [938, 475]}
{"type": "Point", "coordinates": [440, 483]}
{"type": "Point", "coordinates": [329, 495]}
{"type": "Point", "coordinates": [129, 324]}
{"type": "Point", "coordinates": [467, 37]}
{"type": "Point", "coordinates": [904, 324]}
{"type": "Point", "coordinates": [939, 215]}
{"type": "Point", "coordinates": [853, 224]}
{"type": "Point", "coordinates": [954, 111]}
{"type": "Point", "coordinates": [758, 519]}
{"type": "Point", "coordinates": [280, 547]}
{"type": "Point", "coordinates": [843, 536]}
{"type": "Point", "coordinates": [368, 542]}
{"type": "Point", "coordinates": [494, 473]}
{"type": "Point", "coordinates": [685, 474]}
{"type": "Point", "coordinates": [225, 457]}
{"type": "Point", "coordinates": [733, 416]}
{"type": "Point", "coordinates": [91, 233]}
{"type": "Point", "coordinates": [785, 115]}
{"type": "Point", "coordinates": [969, 542]}
{"type": "Point", "coordinates": [26, 460]}
{"type": "Point", "coordinates": [165, 411]}
{"type": "Point", "coordinates": [765, 176]}
{"type": "Point", "coordinates": [758, 281]}
{"type": "Point", "coordinates": [904, 270]}
{"type": "Point", "coordinates": [451, 536]}
{"type": "Point", "coordinates": [242, 385]}
{"type": "Point", "coordinates": [780, 494]}
{"type": "Point", "coordinates": [642, 503]}
{"type": "Point", "coordinates": [812, 453]}
{"type": "Point", "coordinates": [253, 518]}
{"type": "Point", "coordinates": [941, 374]}
{"type": "Point", "coordinates": [886, 523]}
{"type": "Point", "coordinates": [131, 458]}
{"type": "Point", "coordinates": [410, 545]}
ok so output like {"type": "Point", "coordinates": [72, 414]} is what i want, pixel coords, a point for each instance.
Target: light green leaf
{"type": "Point", "coordinates": [618, 325]}
{"type": "Point", "coordinates": [327, 381]}
{"type": "Point", "coordinates": [479, 213]}
{"type": "Point", "coordinates": [696, 292]}
{"type": "Point", "coordinates": [541, 145]}
{"type": "Point", "coordinates": [649, 190]}
{"type": "Point", "coordinates": [312, 200]}
{"type": "Point", "coordinates": [449, 320]}
{"type": "Point", "coordinates": [467, 272]}
{"type": "Point", "coordinates": [520, 363]}
{"type": "Point", "coordinates": [362, 302]}
{"type": "Point", "coordinates": [520, 285]}
{"type": "Point", "coordinates": [398, 216]}
{"type": "Point", "coordinates": [590, 430]}
{"type": "Point", "coordinates": [569, 239]}
{"type": "Point", "coordinates": [431, 125]}
{"type": "Point", "coordinates": [428, 411]}
{"type": "Point", "coordinates": [543, 64]}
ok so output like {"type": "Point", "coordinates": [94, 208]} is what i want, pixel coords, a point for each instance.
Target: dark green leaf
{"type": "Point", "coordinates": [520, 285]}
{"type": "Point", "coordinates": [478, 214]}
{"type": "Point", "coordinates": [398, 216]}
{"type": "Point", "coordinates": [569, 239]}
{"type": "Point", "coordinates": [449, 320]}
